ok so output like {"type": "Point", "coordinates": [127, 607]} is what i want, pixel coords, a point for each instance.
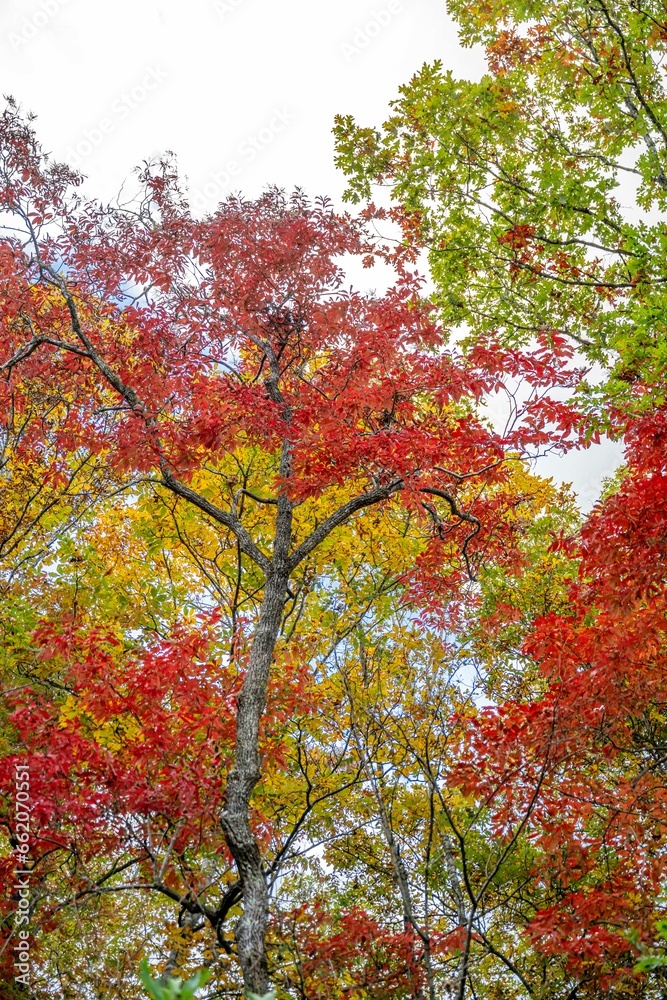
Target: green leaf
{"type": "Point", "coordinates": [175, 989]}
{"type": "Point", "coordinates": [651, 962]}
{"type": "Point", "coordinates": [189, 988]}
{"type": "Point", "coordinates": [152, 986]}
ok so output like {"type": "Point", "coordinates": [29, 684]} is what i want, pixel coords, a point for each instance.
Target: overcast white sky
{"type": "Point", "coordinates": [243, 91]}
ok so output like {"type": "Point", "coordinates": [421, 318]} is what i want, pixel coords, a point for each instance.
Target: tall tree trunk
{"type": "Point", "coordinates": [250, 931]}
{"type": "Point", "coordinates": [400, 874]}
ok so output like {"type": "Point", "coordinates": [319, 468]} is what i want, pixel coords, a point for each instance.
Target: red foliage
{"type": "Point", "coordinates": [164, 344]}
{"type": "Point", "coordinates": [372, 960]}
{"type": "Point", "coordinates": [583, 767]}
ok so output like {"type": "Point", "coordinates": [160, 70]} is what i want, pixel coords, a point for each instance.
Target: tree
{"type": "Point", "coordinates": [433, 879]}
{"type": "Point", "coordinates": [598, 723]}
{"type": "Point", "coordinates": [539, 194]}
{"type": "Point", "coordinates": [540, 191]}
{"type": "Point", "coordinates": [171, 349]}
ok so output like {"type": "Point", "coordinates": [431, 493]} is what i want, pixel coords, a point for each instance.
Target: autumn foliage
{"type": "Point", "coordinates": [317, 682]}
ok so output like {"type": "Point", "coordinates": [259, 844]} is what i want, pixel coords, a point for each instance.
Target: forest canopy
{"type": "Point", "coordinates": [310, 680]}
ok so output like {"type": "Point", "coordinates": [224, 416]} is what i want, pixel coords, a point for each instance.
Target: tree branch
{"type": "Point", "coordinates": [340, 516]}
{"type": "Point", "coordinates": [224, 517]}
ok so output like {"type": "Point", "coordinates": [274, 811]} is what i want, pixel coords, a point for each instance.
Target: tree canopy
{"type": "Point", "coordinates": [314, 682]}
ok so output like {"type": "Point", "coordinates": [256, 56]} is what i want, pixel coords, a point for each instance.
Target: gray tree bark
{"type": "Point", "coordinates": [250, 932]}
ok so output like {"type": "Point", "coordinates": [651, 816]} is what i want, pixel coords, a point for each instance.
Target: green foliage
{"type": "Point", "coordinates": [651, 961]}
{"type": "Point", "coordinates": [173, 989]}
{"type": "Point", "coordinates": [539, 191]}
